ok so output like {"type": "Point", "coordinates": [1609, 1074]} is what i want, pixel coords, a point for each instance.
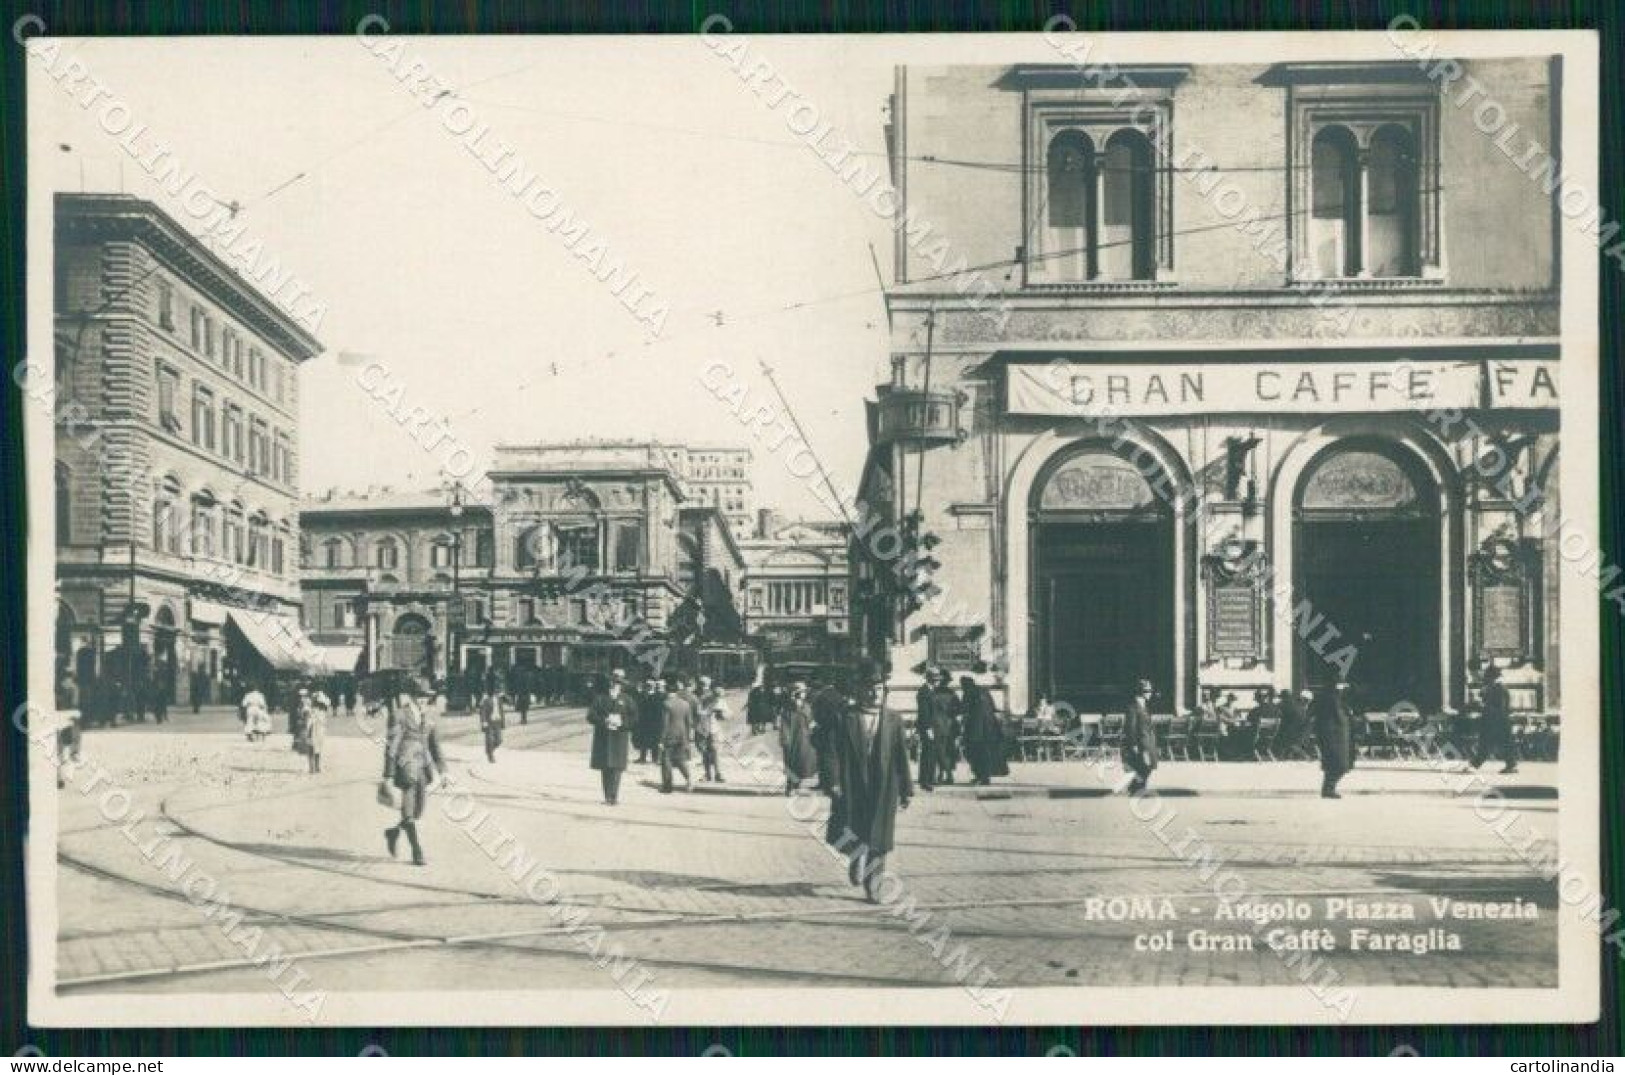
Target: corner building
{"type": "Point", "coordinates": [1222, 376]}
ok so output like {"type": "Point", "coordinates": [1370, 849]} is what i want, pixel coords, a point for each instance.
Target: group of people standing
{"type": "Point", "coordinates": [952, 726]}
{"type": "Point", "coordinates": [308, 714]}
{"type": "Point", "coordinates": [667, 721]}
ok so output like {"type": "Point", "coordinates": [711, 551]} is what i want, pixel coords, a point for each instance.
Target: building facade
{"type": "Point", "coordinates": [573, 558]}
{"type": "Point", "coordinates": [177, 456]}
{"type": "Point", "coordinates": [1262, 392]}
{"type": "Point", "coordinates": [394, 579]}
{"type": "Point", "coordinates": [719, 476]}
{"type": "Point", "coordinates": [798, 591]}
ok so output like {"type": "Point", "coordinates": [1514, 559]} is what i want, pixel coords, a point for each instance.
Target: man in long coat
{"type": "Point", "coordinates": [796, 739]}
{"type": "Point", "coordinates": [1495, 724]}
{"type": "Point", "coordinates": [611, 715]}
{"type": "Point", "coordinates": [925, 727]}
{"type": "Point", "coordinates": [1335, 733]}
{"type": "Point", "coordinates": [492, 721]}
{"type": "Point", "coordinates": [1140, 738]}
{"type": "Point", "coordinates": [984, 738]}
{"type": "Point", "coordinates": [646, 732]}
{"type": "Point", "coordinates": [869, 767]}
{"type": "Point", "coordinates": [829, 705]}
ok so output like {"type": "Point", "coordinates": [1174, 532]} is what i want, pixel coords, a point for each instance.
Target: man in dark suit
{"type": "Point", "coordinates": [677, 730]}
{"type": "Point", "coordinates": [925, 727]}
{"type": "Point", "coordinates": [611, 715]}
{"type": "Point", "coordinates": [1334, 730]}
{"type": "Point", "coordinates": [869, 770]}
{"type": "Point", "coordinates": [1495, 723]}
{"type": "Point", "coordinates": [829, 705]}
{"type": "Point", "coordinates": [984, 737]}
{"type": "Point", "coordinates": [1139, 738]}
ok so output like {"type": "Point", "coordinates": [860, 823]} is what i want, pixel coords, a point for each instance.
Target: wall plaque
{"type": "Point", "coordinates": [1500, 620]}
{"type": "Point", "coordinates": [1504, 573]}
{"type": "Point", "coordinates": [1235, 601]}
{"type": "Point", "coordinates": [955, 648]}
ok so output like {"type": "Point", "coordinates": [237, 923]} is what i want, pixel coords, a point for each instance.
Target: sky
{"type": "Point", "coordinates": [426, 264]}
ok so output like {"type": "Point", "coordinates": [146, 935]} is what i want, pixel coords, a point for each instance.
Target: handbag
{"type": "Point", "coordinates": [385, 794]}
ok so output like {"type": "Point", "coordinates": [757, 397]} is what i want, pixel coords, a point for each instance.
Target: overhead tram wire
{"type": "Point", "coordinates": [356, 143]}
{"type": "Point", "coordinates": [1015, 167]}
{"type": "Point", "coordinates": [1004, 264]}
{"type": "Point", "coordinates": [789, 412]}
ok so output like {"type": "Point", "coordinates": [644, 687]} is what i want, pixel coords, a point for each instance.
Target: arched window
{"type": "Point", "coordinates": [166, 522]}
{"type": "Point", "coordinates": [333, 553]}
{"type": "Point", "coordinates": [1068, 253]}
{"type": "Point", "coordinates": [1124, 247]}
{"type": "Point", "coordinates": [386, 553]}
{"type": "Point", "coordinates": [533, 547]}
{"type": "Point", "coordinates": [1334, 227]}
{"type": "Point", "coordinates": [204, 511]}
{"type": "Point", "coordinates": [1391, 215]}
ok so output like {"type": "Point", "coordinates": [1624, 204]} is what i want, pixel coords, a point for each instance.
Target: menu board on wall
{"type": "Point", "coordinates": [955, 648]}
{"type": "Point", "coordinates": [1233, 619]}
{"type": "Point", "coordinates": [1500, 619]}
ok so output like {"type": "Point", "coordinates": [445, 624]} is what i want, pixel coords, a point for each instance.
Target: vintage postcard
{"type": "Point", "coordinates": [1060, 528]}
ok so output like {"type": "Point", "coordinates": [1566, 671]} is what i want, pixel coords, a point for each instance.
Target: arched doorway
{"type": "Point", "coordinates": [1367, 561]}
{"type": "Point", "coordinates": [409, 648]}
{"type": "Point", "coordinates": [1102, 598]}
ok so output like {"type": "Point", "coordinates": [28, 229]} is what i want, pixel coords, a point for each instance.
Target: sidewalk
{"type": "Point", "coordinates": [1270, 779]}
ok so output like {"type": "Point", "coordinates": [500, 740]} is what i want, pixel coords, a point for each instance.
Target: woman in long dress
{"type": "Point", "coordinates": [256, 715]}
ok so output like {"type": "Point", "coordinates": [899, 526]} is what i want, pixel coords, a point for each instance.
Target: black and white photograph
{"type": "Point", "coordinates": [1059, 528]}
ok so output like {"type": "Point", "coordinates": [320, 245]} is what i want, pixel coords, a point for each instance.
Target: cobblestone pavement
{"type": "Point", "coordinates": [1048, 880]}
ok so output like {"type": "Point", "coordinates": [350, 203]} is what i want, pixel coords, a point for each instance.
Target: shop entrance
{"type": "Point", "coordinates": [1366, 603]}
{"type": "Point", "coordinates": [1103, 573]}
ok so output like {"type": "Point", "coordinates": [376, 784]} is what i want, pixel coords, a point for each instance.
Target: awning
{"type": "Point", "coordinates": [333, 659]}
{"type": "Point", "coordinates": [276, 638]}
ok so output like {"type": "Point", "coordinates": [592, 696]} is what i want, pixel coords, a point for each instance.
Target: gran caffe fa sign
{"type": "Point", "coordinates": [1067, 386]}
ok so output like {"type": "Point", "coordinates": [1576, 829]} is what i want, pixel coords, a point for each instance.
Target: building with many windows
{"type": "Point", "coordinates": [177, 456]}
{"type": "Point", "coordinates": [797, 591]}
{"type": "Point", "coordinates": [719, 476]}
{"type": "Point", "coordinates": [582, 557]}
{"type": "Point", "coordinates": [395, 579]}
{"type": "Point", "coordinates": [1262, 391]}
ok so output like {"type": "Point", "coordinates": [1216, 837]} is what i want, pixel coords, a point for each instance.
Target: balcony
{"type": "Point", "coordinates": [919, 417]}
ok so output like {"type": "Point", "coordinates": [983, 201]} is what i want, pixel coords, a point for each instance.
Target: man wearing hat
{"type": "Point", "coordinates": [1139, 738]}
{"type": "Point", "coordinates": [612, 715]}
{"type": "Point", "coordinates": [677, 731]}
{"type": "Point", "coordinates": [869, 770]}
{"type": "Point", "coordinates": [1334, 731]}
{"type": "Point", "coordinates": [1495, 723]}
{"type": "Point", "coordinates": [925, 726]}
